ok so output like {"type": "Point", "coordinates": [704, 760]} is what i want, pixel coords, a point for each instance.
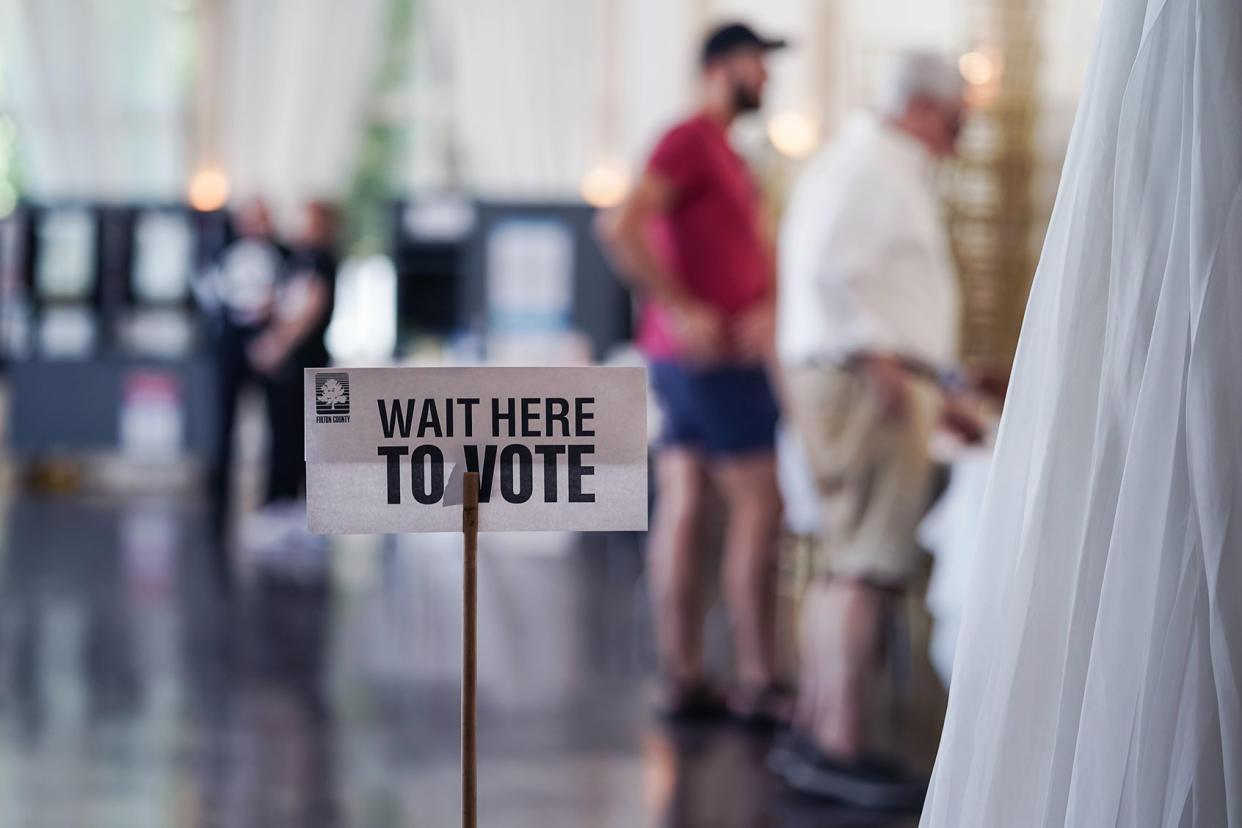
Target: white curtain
{"type": "Point", "coordinates": [102, 94]}
{"type": "Point", "coordinates": [518, 84]}
{"type": "Point", "coordinates": [297, 79]}
{"type": "Point", "coordinates": [1100, 663]}
{"type": "Point", "coordinates": [97, 91]}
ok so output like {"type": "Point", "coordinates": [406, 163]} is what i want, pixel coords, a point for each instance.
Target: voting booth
{"type": "Point", "coordinates": [504, 268]}
{"type": "Point", "coordinates": [98, 329]}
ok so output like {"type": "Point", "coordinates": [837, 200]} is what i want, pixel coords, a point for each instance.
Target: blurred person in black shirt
{"type": "Point", "coordinates": [272, 307]}
{"type": "Point", "coordinates": [294, 340]}
{"type": "Point", "coordinates": [239, 293]}
{"type": "Point", "coordinates": [304, 299]}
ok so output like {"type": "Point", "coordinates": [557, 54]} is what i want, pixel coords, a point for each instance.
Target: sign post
{"type": "Point", "coordinates": [423, 449]}
{"type": "Point", "coordinates": [469, 648]}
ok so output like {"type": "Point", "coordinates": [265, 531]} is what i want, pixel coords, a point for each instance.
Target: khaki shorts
{"type": "Point", "coordinates": [873, 475]}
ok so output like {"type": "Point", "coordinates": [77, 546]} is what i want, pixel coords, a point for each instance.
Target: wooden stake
{"type": "Point", "coordinates": [469, 649]}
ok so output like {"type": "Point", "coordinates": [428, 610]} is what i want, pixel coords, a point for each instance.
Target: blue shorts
{"type": "Point", "coordinates": [720, 411]}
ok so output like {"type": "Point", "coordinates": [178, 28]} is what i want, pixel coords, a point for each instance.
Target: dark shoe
{"type": "Point", "coordinates": [764, 708]}
{"type": "Point", "coordinates": [786, 750]}
{"type": "Point", "coordinates": [695, 702]}
{"type": "Point", "coordinates": [866, 783]}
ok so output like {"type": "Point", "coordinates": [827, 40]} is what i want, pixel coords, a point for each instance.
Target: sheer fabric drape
{"type": "Point", "coordinates": [1100, 661]}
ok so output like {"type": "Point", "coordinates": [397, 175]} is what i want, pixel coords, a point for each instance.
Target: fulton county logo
{"type": "Point", "coordinates": [332, 397]}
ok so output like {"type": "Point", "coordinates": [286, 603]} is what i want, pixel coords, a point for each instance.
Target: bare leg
{"type": "Point", "coordinates": [842, 634]}
{"type": "Point", "coordinates": [750, 490]}
{"type": "Point", "coordinates": [672, 557]}
{"type": "Point", "coordinates": [812, 644]}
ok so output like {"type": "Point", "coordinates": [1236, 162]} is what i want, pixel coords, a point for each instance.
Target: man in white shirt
{"type": "Point", "coordinates": [867, 321]}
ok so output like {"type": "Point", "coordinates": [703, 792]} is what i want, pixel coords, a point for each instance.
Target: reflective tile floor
{"type": "Point", "coordinates": [324, 691]}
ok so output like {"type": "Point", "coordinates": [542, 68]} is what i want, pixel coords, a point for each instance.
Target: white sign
{"type": "Point", "coordinates": [530, 276]}
{"type": "Point", "coordinates": [555, 448]}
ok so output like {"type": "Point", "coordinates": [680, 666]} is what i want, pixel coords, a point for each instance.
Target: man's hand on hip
{"type": "Point", "coordinates": [700, 328]}
{"type": "Point", "coordinates": [889, 380]}
{"type": "Point", "coordinates": [754, 333]}
{"type": "Point", "coordinates": [962, 420]}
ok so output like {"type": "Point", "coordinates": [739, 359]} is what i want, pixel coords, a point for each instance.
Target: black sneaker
{"type": "Point", "coordinates": [867, 783]}
{"type": "Point", "coordinates": [697, 702]}
{"type": "Point", "coordinates": [762, 708]}
{"type": "Point", "coordinates": [787, 749]}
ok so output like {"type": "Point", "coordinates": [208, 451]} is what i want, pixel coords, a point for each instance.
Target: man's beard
{"type": "Point", "coordinates": [745, 99]}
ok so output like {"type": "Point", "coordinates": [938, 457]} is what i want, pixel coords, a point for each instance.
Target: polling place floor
{"type": "Point", "coordinates": [131, 696]}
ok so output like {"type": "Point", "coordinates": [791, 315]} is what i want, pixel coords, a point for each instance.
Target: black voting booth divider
{"type": "Point", "coordinates": [440, 251]}
{"type": "Point", "coordinates": [99, 335]}
{"type": "Point", "coordinates": [77, 279]}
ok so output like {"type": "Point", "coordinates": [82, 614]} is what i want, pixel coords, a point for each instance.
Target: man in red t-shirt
{"type": "Point", "coordinates": [690, 239]}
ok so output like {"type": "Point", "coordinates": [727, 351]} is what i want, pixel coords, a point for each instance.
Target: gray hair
{"type": "Point", "coordinates": [919, 75]}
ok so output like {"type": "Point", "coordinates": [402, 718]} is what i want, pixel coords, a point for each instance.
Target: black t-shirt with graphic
{"type": "Point", "coordinates": [316, 262]}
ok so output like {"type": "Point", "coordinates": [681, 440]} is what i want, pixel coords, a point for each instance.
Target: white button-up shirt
{"type": "Point", "coordinates": [864, 259]}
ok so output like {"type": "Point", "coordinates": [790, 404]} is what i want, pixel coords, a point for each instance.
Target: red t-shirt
{"type": "Point", "coordinates": [711, 236]}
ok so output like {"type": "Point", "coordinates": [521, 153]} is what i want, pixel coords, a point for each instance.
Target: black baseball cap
{"type": "Point", "coordinates": [730, 36]}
